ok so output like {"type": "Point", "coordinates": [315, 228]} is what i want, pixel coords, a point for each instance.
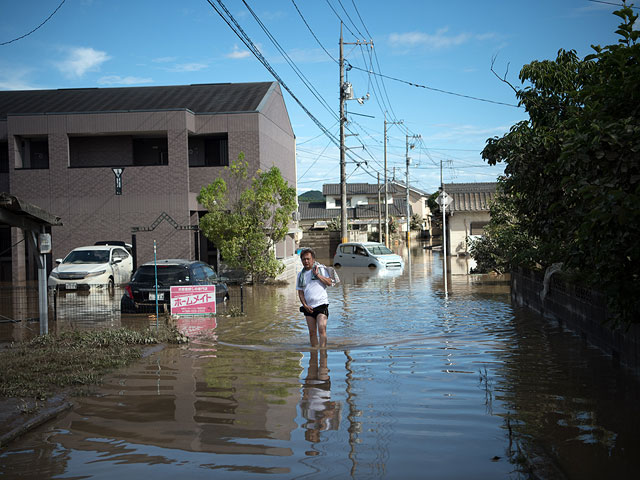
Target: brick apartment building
{"type": "Point", "coordinates": [61, 150]}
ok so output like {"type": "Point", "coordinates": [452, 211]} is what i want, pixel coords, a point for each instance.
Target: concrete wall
{"type": "Point", "coordinates": [459, 227]}
{"type": "Point", "coordinates": [326, 242]}
{"type": "Point", "coordinates": [580, 310]}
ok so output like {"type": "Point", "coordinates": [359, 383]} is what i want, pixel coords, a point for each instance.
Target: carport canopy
{"type": "Point", "coordinates": [18, 213]}
{"type": "Point", "coordinates": [32, 220]}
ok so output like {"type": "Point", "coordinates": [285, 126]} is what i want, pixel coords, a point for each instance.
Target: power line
{"type": "Point", "coordinates": [244, 37]}
{"type": "Point", "coordinates": [27, 34]}
{"type": "Point", "coordinates": [437, 89]}
{"type": "Point", "coordinates": [363, 24]}
{"type": "Point", "coordinates": [317, 136]}
{"type": "Point", "coordinates": [340, 18]}
{"type": "Point", "coordinates": [240, 33]}
{"type": "Point", "coordinates": [349, 17]}
{"type": "Point", "coordinates": [291, 63]}
{"type": "Point", "coordinates": [312, 32]}
{"type": "Point", "coordinates": [614, 4]}
{"type": "Point", "coordinates": [314, 162]}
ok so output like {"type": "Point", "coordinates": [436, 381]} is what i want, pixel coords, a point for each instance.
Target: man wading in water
{"type": "Point", "coordinates": [312, 285]}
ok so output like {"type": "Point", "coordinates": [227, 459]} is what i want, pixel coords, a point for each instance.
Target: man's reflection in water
{"type": "Point", "coordinates": [316, 405]}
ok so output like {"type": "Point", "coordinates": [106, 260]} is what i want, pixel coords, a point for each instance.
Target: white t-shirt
{"type": "Point", "coordinates": [315, 292]}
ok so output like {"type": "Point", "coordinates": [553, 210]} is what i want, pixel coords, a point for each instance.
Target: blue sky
{"type": "Point", "coordinates": [445, 49]}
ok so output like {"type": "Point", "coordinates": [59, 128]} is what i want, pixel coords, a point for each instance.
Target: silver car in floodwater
{"type": "Point", "coordinates": [366, 254]}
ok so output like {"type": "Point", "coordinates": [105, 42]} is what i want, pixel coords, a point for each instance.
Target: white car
{"type": "Point", "coordinates": [366, 254]}
{"type": "Point", "coordinates": [106, 265]}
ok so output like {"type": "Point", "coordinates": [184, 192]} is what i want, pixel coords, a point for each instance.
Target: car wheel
{"type": "Point", "coordinates": [372, 266]}
{"type": "Point", "coordinates": [337, 265]}
{"type": "Point", "coordinates": [111, 287]}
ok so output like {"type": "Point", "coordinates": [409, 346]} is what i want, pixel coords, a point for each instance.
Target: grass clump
{"type": "Point", "coordinates": [73, 360]}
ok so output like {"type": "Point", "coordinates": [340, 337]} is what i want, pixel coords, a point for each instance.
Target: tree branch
{"type": "Point", "coordinates": [503, 78]}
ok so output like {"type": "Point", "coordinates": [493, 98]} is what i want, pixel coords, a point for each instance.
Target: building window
{"type": "Point", "coordinates": [5, 253]}
{"type": "Point", "coordinates": [209, 151]}
{"type": "Point", "coordinates": [4, 157]}
{"type": "Point", "coordinates": [100, 151]}
{"type": "Point", "coordinates": [339, 202]}
{"type": "Point", "coordinates": [477, 228]}
{"type": "Point", "coordinates": [150, 151]}
{"type": "Point", "coordinates": [33, 153]}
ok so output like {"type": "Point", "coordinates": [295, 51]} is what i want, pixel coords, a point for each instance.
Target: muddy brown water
{"type": "Point", "coordinates": [413, 385]}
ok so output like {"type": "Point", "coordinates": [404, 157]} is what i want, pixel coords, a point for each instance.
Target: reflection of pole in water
{"type": "Point", "coordinates": [346, 306]}
{"type": "Point", "coordinates": [354, 426]}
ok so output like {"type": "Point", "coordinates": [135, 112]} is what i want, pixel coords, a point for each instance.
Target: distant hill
{"type": "Point", "coordinates": [311, 196]}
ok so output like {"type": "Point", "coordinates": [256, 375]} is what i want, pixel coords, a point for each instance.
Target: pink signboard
{"type": "Point", "coordinates": [193, 300]}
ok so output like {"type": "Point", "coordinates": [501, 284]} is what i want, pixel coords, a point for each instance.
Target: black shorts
{"type": "Point", "coordinates": [320, 309]}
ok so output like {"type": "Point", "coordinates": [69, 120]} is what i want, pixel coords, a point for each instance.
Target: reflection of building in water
{"type": "Point", "coordinates": [461, 265]}
{"type": "Point", "coordinates": [230, 397]}
{"type": "Point", "coordinates": [316, 405]}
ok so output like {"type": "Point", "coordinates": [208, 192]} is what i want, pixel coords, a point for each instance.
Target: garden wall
{"type": "Point", "coordinates": [579, 309]}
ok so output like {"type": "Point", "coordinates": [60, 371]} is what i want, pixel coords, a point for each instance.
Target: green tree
{"type": "Point", "coordinates": [572, 170]}
{"type": "Point", "coordinates": [416, 222]}
{"type": "Point", "coordinates": [505, 244]}
{"type": "Point", "coordinates": [433, 205]}
{"type": "Point", "coordinates": [248, 219]}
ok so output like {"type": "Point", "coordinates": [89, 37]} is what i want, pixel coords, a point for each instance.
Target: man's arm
{"type": "Point", "coordinates": [326, 279]}
{"type": "Point", "coordinates": [304, 301]}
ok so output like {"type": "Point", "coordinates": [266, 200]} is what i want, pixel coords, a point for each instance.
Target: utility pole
{"type": "Point", "coordinates": [346, 93]}
{"type": "Point", "coordinates": [386, 189]}
{"type": "Point", "coordinates": [443, 205]}
{"type": "Point", "coordinates": [379, 212]}
{"type": "Point", "coordinates": [343, 162]}
{"type": "Point", "coordinates": [386, 182]}
{"type": "Point", "coordinates": [407, 186]}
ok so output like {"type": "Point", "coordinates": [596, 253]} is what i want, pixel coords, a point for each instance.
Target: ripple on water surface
{"type": "Point", "coordinates": [412, 385]}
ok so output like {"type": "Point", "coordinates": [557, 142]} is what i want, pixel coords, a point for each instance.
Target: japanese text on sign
{"type": "Point", "coordinates": [193, 299]}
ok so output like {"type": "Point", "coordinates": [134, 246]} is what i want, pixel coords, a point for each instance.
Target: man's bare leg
{"type": "Point", "coordinates": [312, 324]}
{"type": "Point", "coordinates": [322, 329]}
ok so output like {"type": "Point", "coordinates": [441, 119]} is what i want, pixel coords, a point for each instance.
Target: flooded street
{"type": "Point", "coordinates": [412, 385]}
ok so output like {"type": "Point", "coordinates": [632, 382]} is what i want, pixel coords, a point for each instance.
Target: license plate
{"type": "Point", "coordinates": [71, 286]}
{"type": "Point", "coordinates": [152, 296]}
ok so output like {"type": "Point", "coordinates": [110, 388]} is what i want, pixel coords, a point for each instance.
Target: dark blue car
{"type": "Point", "coordinates": [140, 293]}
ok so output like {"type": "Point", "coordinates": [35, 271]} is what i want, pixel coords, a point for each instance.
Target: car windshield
{"type": "Point", "coordinates": [167, 275]}
{"type": "Point", "coordinates": [87, 256]}
{"type": "Point", "coordinates": [379, 250]}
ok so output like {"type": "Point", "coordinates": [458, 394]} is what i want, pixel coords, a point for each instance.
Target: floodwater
{"type": "Point", "coordinates": [413, 385]}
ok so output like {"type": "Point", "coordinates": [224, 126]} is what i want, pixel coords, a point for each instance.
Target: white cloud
{"type": "Point", "coordinates": [13, 78]}
{"type": "Point", "coordinates": [164, 59]}
{"type": "Point", "coordinates": [436, 41]}
{"type": "Point", "coordinates": [188, 67]}
{"type": "Point", "coordinates": [118, 80]}
{"type": "Point", "coordinates": [470, 133]}
{"type": "Point", "coordinates": [440, 40]}
{"type": "Point", "coordinates": [81, 60]}
{"type": "Point", "coordinates": [237, 53]}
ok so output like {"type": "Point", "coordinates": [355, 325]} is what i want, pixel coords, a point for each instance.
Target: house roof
{"type": "Point", "coordinates": [411, 188]}
{"type": "Point", "coordinates": [471, 197]}
{"type": "Point", "coordinates": [356, 188]}
{"type": "Point", "coordinates": [317, 211]}
{"type": "Point", "coordinates": [202, 98]}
